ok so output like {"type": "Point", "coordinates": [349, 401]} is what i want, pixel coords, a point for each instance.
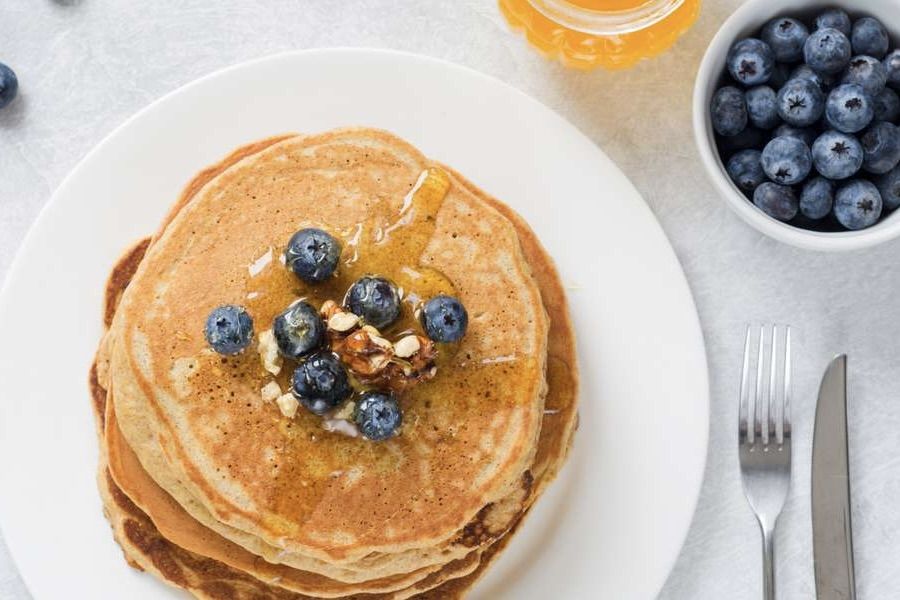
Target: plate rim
{"type": "Point", "coordinates": [24, 248]}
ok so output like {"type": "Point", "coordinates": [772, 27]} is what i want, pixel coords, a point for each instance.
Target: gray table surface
{"type": "Point", "coordinates": [85, 66]}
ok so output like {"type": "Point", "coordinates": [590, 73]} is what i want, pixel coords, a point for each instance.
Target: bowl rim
{"type": "Point", "coordinates": [748, 18]}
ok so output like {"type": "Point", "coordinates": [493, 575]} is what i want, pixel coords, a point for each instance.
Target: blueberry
{"type": "Point", "coordinates": [834, 18]}
{"type": "Point", "coordinates": [377, 415]}
{"type": "Point", "coordinates": [800, 102]}
{"type": "Point", "coordinates": [881, 147]}
{"type": "Point", "coordinates": [867, 72]}
{"type": "Point", "coordinates": [807, 135]}
{"type": "Point", "coordinates": [298, 330]}
{"type": "Point", "coordinates": [889, 187]}
{"type": "Point", "coordinates": [891, 64]}
{"type": "Point", "coordinates": [820, 79]}
{"type": "Point", "coordinates": [445, 319]}
{"type": "Point", "coordinates": [816, 198]}
{"type": "Point", "coordinates": [750, 61]}
{"type": "Point", "coordinates": [857, 204]}
{"type": "Point", "coordinates": [9, 85]}
{"type": "Point", "coordinates": [728, 111]}
{"type": "Point", "coordinates": [762, 107]}
{"type": "Point", "coordinates": [312, 254]}
{"type": "Point", "coordinates": [745, 170]}
{"type": "Point", "coordinates": [320, 383]}
{"type": "Point", "coordinates": [229, 329]}
{"type": "Point", "coordinates": [837, 155]}
{"type": "Point", "coordinates": [751, 137]}
{"type": "Point", "coordinates": [827, 51]}
{"type": "Point", "coordinates": [375, 300]}
{"type": "Point", "coordinates": [786, 160]}
{"type": "Point", "coordinates": [786, 37]}
{"type": "Point", "coordinates": [849, 108]}
{"type": "Point", "coordinates": [777, 201]}
{"type": "Point", "coordinates": [887, 105]}
{"type": "Point", "coordinates": [869, 37]}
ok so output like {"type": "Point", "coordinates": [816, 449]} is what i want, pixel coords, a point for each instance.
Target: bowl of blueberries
{"type": "Point", "coordinates": [797, 120]}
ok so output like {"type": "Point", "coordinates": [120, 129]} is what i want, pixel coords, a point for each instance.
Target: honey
{"type": "Point", "coordinates": [613, 34]}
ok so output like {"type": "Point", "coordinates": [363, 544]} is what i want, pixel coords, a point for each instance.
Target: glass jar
{"type": "Point", "coordinates": [613, 34]}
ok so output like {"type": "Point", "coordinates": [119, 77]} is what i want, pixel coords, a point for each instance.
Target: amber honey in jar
{"type": "Point", "coordinates": [613, 34]}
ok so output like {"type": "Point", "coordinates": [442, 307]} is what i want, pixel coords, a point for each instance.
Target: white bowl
{"type": "Point", "coordinates": [745, 22]}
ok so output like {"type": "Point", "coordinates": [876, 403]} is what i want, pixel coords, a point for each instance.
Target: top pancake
{"type": "Point", "coordinates": [469, 434]}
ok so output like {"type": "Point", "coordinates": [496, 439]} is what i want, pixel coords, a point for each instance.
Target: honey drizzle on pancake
{"type": "Point", "coordinates": [388, 244]}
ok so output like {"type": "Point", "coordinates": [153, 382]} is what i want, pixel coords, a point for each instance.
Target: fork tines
{"type": "Point", "coordinates": [765, 416]}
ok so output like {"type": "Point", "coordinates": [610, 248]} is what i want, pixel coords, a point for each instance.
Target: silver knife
{"type": "Point", "coordinates": [832, 537]}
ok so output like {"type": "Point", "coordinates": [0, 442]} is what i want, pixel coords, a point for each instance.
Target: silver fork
{"type": "Point", "coordinates": [764, 433]}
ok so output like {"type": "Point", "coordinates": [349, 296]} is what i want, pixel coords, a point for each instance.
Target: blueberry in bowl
{"type": "Point", "coordinates": [729, 111]}
{"type": "Point", "coordinates": [867, 72]}
{"type": "Point", "coordinates": [827, 51]}
{"type": "Point", "coordinates": [857, 204]}
{"type": "Point", "coordinates": [849, 108]}
{"type": "Point", "coordinates": [745, 170]}
{"type": "Point", "coordinates": [801, 102]}
{"type": "Point", "coordinates": [837, 155]}
{"type": "Point", "coordinates": [822, 171]}
{"type": "Point", "coordinates": [881, 147]}
{"type": "Point", "coordinates": [778, 201]}
{"type": "Point", "coordinates": [786, 160]}
{"type": "Point", "coordinates": [751, 61]}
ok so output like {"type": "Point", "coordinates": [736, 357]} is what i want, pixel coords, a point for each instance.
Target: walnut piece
{"type": "Point", "coordinates": [364, 354]}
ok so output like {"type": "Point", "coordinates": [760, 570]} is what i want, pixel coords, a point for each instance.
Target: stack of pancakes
{"type": "Point", "coordinates": [211, 488]}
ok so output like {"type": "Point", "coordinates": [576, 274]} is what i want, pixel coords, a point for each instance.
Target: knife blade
{"type": "Point", "coordinates": [832, 534]}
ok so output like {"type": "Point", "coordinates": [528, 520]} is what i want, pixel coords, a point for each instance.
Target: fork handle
{"type": "Point", "coordinates": [768, 547]}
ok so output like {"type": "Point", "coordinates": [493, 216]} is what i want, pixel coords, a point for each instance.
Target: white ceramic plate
{"type": "Point", "coordinates": [612, 525]}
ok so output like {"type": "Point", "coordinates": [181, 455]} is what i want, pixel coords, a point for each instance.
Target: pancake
{"type": "Point", "coordinates": [555, 436]}
{"type": "Point", "coordinates": [454, 457]}
{"type": "Point", "coordinates": [151, 551]}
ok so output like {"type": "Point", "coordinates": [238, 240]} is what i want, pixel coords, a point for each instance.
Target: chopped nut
{"type": "Point", "coordinates": [329, 309]}
{"type": "Point", "coordinates": [270, 391]}
{"type": "Point", "coordinates": [407, 346]}
{"type": "Point", "coordinates": [288, 405]}
{"type": "Point", "coordinates": [364, 354]}
{"type": "Point", "coordinates": [376, 338]}
{"type": "Point", "coordinates": [268, 352]}
{"type": "Point", "coordinates": [343, 322]}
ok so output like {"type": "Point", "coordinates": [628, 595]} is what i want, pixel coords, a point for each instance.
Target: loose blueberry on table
{"type": "Point", "coordinates": [806, 120]}
{"type": "Point", "coordinates": [9, 85]}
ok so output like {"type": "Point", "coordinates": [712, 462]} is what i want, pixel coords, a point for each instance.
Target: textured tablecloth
{"type": "Point", "coordinates": [85, 66]}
